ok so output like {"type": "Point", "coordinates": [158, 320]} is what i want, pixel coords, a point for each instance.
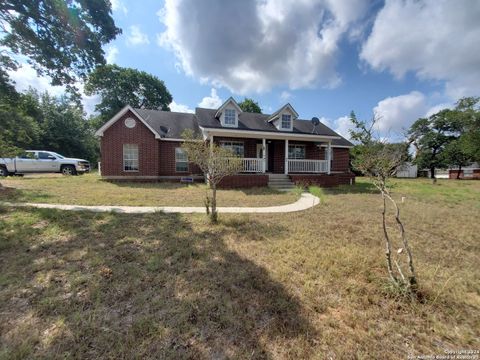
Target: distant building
{"type": "Point", "coordinates": [468, 172]}
{"type": "Point", "coordinates": [407, 170]}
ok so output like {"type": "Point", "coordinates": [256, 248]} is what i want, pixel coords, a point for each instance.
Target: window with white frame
{"type": "Point", "coordinates": [286, 121]}
{"type": "Point", "coordinates": [230, 117]}
{"type": "Point", "coordinates": [130, 157]}
{"type": "Point", "coordinates": [235, 146]}
{"type": "Point", "coordinates": [181, 160]}
{"type": "Point", "coordinates": [296, 151]}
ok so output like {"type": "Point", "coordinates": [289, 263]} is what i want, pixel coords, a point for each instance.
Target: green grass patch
{"type": "Point", "coordinates": [90, 189]}
{"type": "Point", "coordinates": [303, 285]}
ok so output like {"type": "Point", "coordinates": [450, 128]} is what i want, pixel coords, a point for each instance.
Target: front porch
{"type": "Point", "coordinates": [280, 156]}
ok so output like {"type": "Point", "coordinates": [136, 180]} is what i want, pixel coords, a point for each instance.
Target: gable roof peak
{"type": "Point", "coordinates": [230, 100]}
{"type": "Point", "coordinates": [277, 113]}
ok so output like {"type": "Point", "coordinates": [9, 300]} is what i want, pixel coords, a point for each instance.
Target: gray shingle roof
{"type": "Point", "coordinates": [172, 124]}
{"type": "Point", "coordinates": [169, 124]}
{"type": "Point", "coordinates": [258, 122]}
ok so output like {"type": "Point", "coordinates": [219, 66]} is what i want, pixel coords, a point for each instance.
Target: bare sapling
{"type": "Point", "coordinates": [215, 162]}
{"type": "Point", "coordinates": [379, 161]}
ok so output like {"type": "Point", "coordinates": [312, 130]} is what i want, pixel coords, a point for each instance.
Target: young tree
{"type": "Point", "coordinates": [61, 39]}
{"type": "Point", "coordinates": [119, 87]}
{"type": "Point", "coordinates": [215, 162]}
{"type": "Point", "coordinates": [249, 105]}
{"type": "Point", "coordinates": [379, 161]}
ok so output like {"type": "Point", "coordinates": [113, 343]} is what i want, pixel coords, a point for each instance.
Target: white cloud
{"type": "Point", "coordinates": [111, 54]}
{"type": "Point", "coordinates": [211, 102]}
{"type": "Point", "coordinates": [180, 108]}
{"type": "Point", "coordinates": [435, 109]}
{"type": "Point", "coordinates": [255, 45]}
{"type": "Point", "coordinates": [396, 114]}
{"type": "Point", "coordinates": [136, 36]}
{"type": "Point", "coordinates": [118, 5]}
{"type": "Point", "coordinates": [26, 77]}
{"type": "Point", "coordinates": [342, 126]}
{"type": "Point", "coordinates": [435, 39]}
{"type": "Point", "coordinates": [285, 95]}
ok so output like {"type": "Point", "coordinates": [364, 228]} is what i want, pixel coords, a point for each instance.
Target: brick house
{"type": "Point", "coordinates": [145, 145]}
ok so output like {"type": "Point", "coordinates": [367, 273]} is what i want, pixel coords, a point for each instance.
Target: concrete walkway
{"type": "Point", "coordinates": [306, 201]}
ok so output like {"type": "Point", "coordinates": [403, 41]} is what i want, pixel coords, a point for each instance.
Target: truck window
{"type": "Point", "coordinates": [43, 155]}
{"type": "Point", "coordinates": [27, 155]}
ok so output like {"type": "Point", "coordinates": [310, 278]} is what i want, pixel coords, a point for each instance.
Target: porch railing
{"type": "Point", "coordinates": [307, 166]}
{"type": "Point", "coordinates": [249, 165]}
{"type": "Point", "coordinates": [253, 165]}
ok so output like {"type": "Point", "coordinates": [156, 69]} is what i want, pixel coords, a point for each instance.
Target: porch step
{"type": "Point", "coordinates": [280, 182]}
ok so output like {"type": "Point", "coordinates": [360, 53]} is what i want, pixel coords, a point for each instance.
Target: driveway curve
{"type": "Point", "coordinates": [306, 201]}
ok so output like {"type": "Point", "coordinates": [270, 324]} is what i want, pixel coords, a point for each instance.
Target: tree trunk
{"type": "Point", "coordinates": [458, 173]}
{"type": "Point", "coordinates": [432, 175]}
{"type": "Point", "coordinates": [214, 215]}
{"type": "Point", "coordinates": [388, 251]}
{"type": "Point", "coordinates": [412, 279]}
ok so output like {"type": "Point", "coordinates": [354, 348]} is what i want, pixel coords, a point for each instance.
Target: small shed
{"type": "Point", "coordinates": [407, 170]}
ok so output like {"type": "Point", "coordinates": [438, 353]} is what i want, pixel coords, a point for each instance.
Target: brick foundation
{"type": "Point", "coordinates": [243, 181]}
{"type": "Point", "coordinates": [323, 180]}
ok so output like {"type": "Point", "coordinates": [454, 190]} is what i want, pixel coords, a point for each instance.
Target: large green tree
{"type": "Point", "coordinates": [64, 128]}
{"type": "Point", "coordinates": [468, 113]}
{"type": "Point", "coordinates": [119, 87]}
{"type": "Point", "coordinates": [61, 39]}
{"type": "Point", "coordinates": [430, 137]}
{"type": "Point", "coordinates": [450, 137]}
{"type": "Point", "coordinates": [249, 105]}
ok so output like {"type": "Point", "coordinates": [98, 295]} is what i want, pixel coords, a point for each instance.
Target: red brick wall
{"type": "Point", "coordinates": [244, 181]}
{"type": "Point", "coordinates": [341, 159]}
{"type": "Point", "coordinates": [323, 180]}
{"type": "Point", "coordinates": [167, 160]}
{"type": "Point", "coordinates": [112, 148]}
{"type": "Point", "coordinates": [249, 145]}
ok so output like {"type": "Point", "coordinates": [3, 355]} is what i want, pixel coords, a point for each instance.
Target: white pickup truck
{"type": "Point", "coordinates": [39, 161]}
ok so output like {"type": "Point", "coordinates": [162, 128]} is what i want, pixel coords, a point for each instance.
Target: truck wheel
{"type": "Point", "coordinates": [3, 171]}
{"type": "Point", "coordinates": [68, 170]}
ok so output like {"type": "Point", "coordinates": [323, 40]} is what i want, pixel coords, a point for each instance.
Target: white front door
{"type": "Point", "coordinates": [260, 154]}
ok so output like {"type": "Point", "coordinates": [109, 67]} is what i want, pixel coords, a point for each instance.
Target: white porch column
{"type": "Point", "coordinates": [264, 148]}
{"type": "Point", "coordinates": [286, 156]}
{"type": "Point", "coordinates": [329, 151]}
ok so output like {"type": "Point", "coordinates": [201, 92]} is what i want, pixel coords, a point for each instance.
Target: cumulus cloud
{"type": "Point", "coordinates": [255, 45]}
{"type": "Point", "coordinates": [180, 108]}
{"type": "Point", "coordinates": [111, 54]}
{"type": "Point", "coordinates": [396, 114]}
{"type": "Point", "coordinates": [435, 39]}
{"type": "Point", "coordinates": [136, 36]}
{"type": "Point", "coordinates": [118, 5]}
{"type": "Point", "coordinates": [341, 125]}
{"type": "Point", "coordinates": [26, 77]}
{"type": "Point", "coordinates": [211, 102]}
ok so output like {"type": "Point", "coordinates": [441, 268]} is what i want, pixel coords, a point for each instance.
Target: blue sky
{"type": "Point", "coordinates": [398, 59]}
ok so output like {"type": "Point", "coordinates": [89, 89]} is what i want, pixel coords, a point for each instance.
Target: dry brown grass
{"type": "Point", "coordinates": [89, 189]}
{"type": "Point", "coordinates": [306, 285]}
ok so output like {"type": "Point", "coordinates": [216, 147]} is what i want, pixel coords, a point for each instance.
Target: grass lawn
{"type": "Point", "coordinates": [311, 284]}
{"type": "Point", "coordinates": [89, 189]}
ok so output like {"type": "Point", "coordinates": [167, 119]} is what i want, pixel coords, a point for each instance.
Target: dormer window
{"type": "Point", "coordinates": [230, 117]}
{"type": "Point", "coordinates": [286, 121]}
